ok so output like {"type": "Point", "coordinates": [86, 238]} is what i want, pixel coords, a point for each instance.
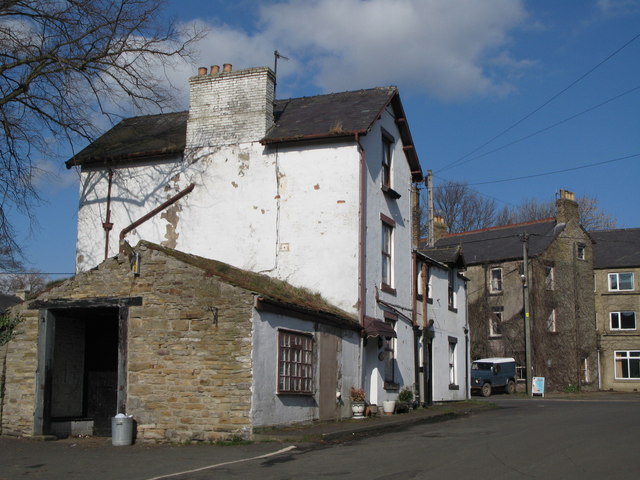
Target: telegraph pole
{"type": "Point", "coordinates": [431, 232]}
{"type": "Point", "coordinates": [527, 320]}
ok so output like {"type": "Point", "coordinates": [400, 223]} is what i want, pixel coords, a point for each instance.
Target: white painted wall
{"type": "Point", "coordinates": [400, 211]}
{"type": "Point", "coordinates": [290, 212]}
{"type": "Point", "coordinates": [447, 324]}
{"type": "Point", "coordinates": [268, 408]}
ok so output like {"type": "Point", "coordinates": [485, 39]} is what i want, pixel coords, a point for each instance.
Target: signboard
{"type": "Point", "coordinates": [537, 386]}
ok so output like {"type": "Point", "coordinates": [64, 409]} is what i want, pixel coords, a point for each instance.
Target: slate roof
{"type": "Point", "coordinates": [137, 137]}
{"type": "Point", "coordinates": [444, 255]}
{"type": "Point", "coordinates": [616, 248]}
{"type": "Point", "coordinates": [322, 116]}
{"type": "Point", "coordinates": [273, 289]}
{"type": "Point", "coordinates": [499, 244]}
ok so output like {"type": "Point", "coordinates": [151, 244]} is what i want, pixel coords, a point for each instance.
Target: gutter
{"type": "Point", "coordinates": [361, 242]}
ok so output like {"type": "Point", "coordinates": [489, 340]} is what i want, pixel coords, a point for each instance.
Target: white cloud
{"type": "Point", "coordinates": [618, 7]}
{"type": "Point", "coordinates": [441, 47]}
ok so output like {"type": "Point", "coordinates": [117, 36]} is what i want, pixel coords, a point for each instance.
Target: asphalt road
{"type": "Point", "coordinates": [523, 438]}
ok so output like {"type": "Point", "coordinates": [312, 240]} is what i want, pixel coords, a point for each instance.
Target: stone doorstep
{"type": "Point", "coordinates": [72, 428]}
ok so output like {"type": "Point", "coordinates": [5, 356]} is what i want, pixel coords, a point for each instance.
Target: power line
{"type": "Point", "coordinates": [547, 102]}
{"type": "Point", "coordinates": [526, 137]}
{"type": "Point", "coordinates": [595, 164]}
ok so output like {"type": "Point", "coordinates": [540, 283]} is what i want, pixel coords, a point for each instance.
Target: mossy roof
{"type": "Point", "coordinates": [273, 289]}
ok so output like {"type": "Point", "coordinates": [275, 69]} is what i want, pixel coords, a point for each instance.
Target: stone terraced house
{"type": "Point", "coordinates": [616, 267]}
{"type": "Point", "coordinates": [560, 290]}
{"type": "Point", "coordinates": [315, 191]}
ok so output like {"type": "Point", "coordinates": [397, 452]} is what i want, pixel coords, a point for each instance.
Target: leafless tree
{"type": "Point", "coordinates": [63, 64]}
{"type": "Point", "coordinates": [31, 281]}
{"type": "Point", "coordinates": [592, 217]}
{"type": "Point", "coordinates": [462, 207]}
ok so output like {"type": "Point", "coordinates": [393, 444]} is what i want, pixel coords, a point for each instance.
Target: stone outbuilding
{"type": "Point", "coordinates": [193, 349]}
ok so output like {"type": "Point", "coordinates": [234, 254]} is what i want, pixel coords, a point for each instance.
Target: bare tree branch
{"type": "Point", "coordinates": [62, 62]}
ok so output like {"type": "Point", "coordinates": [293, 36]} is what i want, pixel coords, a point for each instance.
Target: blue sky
{"type": "Point", "coordinates": [467, 71]}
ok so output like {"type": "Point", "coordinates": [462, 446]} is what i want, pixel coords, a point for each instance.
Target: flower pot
{"type": "Point", "coordinates": [357, 408]}
{"type": "Point", "coordinates": [388, 406]}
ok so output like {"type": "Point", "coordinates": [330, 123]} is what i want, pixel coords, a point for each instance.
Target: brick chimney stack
{"type": "Point", "coordinates": [229, 107]}
{"type": "Point", "coordinates": [567, 207]}
{"type": "Point", "coordinates": [439, 228]}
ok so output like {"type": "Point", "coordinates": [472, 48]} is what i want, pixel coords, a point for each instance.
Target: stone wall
{"type": "Point", "coordinates": [189, 370]}
{"type": "Point", "coordinates": [612, 340]}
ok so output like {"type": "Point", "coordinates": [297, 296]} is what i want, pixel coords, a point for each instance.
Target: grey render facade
{"type": "Point", "coordinates": [560, 289]}
{"type": "Point", "coordinates": [617, 302]}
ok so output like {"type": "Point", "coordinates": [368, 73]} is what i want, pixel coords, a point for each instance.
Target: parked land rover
{"type": "Point", "coordinates": [489, 374]}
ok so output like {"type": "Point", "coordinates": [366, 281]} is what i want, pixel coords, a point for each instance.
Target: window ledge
{"type": "Point", "coordinates": [495, 337]}
{"type": "Point", "coordinates": [453, 309]}
{"type": "Point", "coordinates": [620, 292]}
{"type": "Point", "coordinates": [454, 387]}
{"type": "Point", "coordinates": [390, 192]}
{"type": "Point", "coordinates": [296, 394]}
{"type": "Point", "coordinates": [430, 300]}
{"type": "Point", "coordinates": [497, 292]}
{"type": "Point", "coordinates": [388, 289]}
{"type": "Point", "coordinates": [391, 386]}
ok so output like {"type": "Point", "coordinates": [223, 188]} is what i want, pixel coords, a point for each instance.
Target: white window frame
{"type": "Point", "coordinates": [386, 174]}
{"type": "Point", "coordinates": [619, 321]}
{"type": "Point", "coordinates": [497, 315]}
{"type": "Point", "coordinates": [613, 281]}
{"type": "Point", "coordinates": [387, 254]}
{"type": "Point", "coordinates": [496, 284]}
{"type": "Point", "coordinates": [549, 281]}
{"type": "Point", "coordinates": [626, 356]}
{"type": "Point", "coordinates": [453, 367]}
{"type": "Point", "coordinates": [551, 321]}
{"type": "Point", "coordinates": [581, 251]}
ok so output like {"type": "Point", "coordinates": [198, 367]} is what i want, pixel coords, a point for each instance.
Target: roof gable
{"type": "Point", "coordinates": [271, 288]}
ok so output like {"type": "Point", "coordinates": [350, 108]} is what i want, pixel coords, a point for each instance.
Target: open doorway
{"type": "Point", "coordinates": [82, 365]}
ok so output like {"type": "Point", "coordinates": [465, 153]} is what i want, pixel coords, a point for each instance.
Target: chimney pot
{"type": "Point", "coordinates": [226, 67]}
{"type": "Point", "coordinates": [215, 69]}
{"type": "Point", "coordinates": [202, 71]}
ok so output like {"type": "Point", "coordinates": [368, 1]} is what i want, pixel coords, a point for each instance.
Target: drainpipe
{"type": "Point", "coordinates": [362, 243]}
{"type": "Point", "coordinates": [156, 210]}
{"type": "Point", "coordinates": [107, 225]}
{"type": "Point", "coordinates": [416, 327]}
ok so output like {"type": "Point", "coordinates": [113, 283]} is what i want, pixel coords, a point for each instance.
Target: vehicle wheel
{"type": "Point", "coordinates": [511, 387]}
{"type": "Point", "coordinates": [486, 390]}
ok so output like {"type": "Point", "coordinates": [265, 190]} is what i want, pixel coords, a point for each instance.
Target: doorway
{"type": "Point", "coordinates": [81, 368]}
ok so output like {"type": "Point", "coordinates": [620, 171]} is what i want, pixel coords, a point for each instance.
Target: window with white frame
{"type": "Point", "coordinates": [548, 277]}
{"type": "Point", "coordinates": [581, 251]}
{"type": "Point", "coordinates": [387, 153]}
{"type": "Point", "coordinates": [584, 371]}
{"type": "Point", "coordinates": [388, 345]}
{"type": "Point", "coordinates": [627, 364]}
{"type": "Point", "coordinates": [495, 322]}
{"type": "Point", "coordinates": [620, 281]}
{"type": "Point", "coordinates": [623, 320]}
{"type": "Point", "coordinates": [451, 293]}
{"type": "Point", "coordinates": [387, 253]}
{"type": "Point", "coordinates": [295, 362]}
{"type": "Point", "coordinates": [551, 321]}
{"type": "Point", "coordinates": [495, 280]}
{"type": "Point", "coordinates": [453, 380]}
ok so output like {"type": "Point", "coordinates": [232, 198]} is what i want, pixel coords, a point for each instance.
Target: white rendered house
{"type": "Point", "coordinates": [317, 191]}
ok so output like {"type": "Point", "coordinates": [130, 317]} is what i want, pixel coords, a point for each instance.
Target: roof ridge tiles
{"type": "Point", "coordinates": [499, 227]}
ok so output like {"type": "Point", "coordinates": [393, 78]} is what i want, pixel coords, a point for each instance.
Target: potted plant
{"type": "Point", "coordinates": [357, 402]}
{"type": "Point", "coordinates": [405, 400]}
{"type": "Point", "coordinates": [389, 407]}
